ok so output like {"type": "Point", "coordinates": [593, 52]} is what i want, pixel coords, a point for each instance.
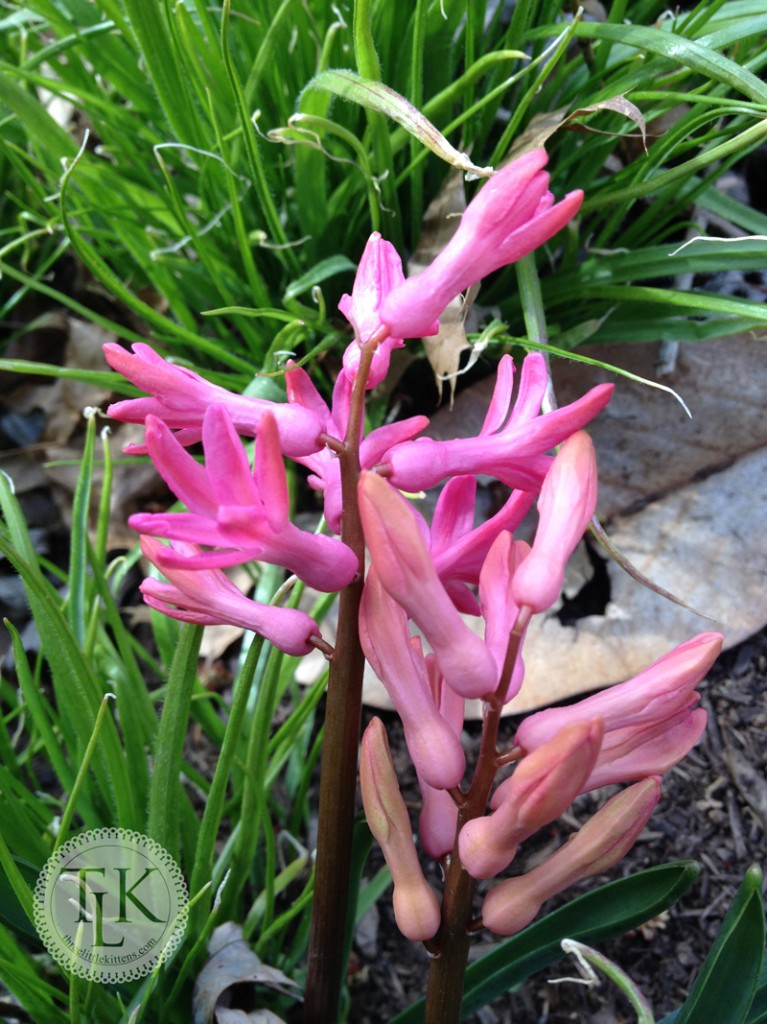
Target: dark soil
{"type": "Point", "coordinates": [713, 811]}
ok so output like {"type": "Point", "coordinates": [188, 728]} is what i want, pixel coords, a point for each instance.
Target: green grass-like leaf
{"type": "Point", "coordinates": [725, 988]}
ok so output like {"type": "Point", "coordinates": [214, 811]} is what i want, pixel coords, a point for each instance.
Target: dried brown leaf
{"type": "Point", "coordinates": [543, 126]}
{"type": "Point", "coordinates": [233, 964]}
{"type": "Point", "coordinates": [440, 222]}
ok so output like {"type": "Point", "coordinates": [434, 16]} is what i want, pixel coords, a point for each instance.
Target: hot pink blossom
{"type": "Point", "coordinates": [180, 398]}
{"type": "Point", "coordinates": [398, 662]}
{"type": "Point", "coordinates": [403, 565]}
{"type": "Point", "coordinates": [512, 443]}
{"type": "Point", "coordinates": [566, 506]}
{"type": "Point", "coordinates": [416, 907]}
{"type": "Point", "coordinates": [379, 271]}
{"type": "Point", "coordinates": [208, 597]}
{"type": "Point", "coordinates": [512, 214]}
{"type": "Point", "coordinates": [244, 514]}
{"type": "Point", "coordinates": [651, 721]}
{"type": "Point", "coordinates": [543, 786]}
{"type": "Point", "coordinates": [605, 838]}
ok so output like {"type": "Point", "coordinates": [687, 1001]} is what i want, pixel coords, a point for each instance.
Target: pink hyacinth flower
{"type": "Point", "coordinates": [607, 837]}
{"type": "Point", "coordinates": [458, 549]}
{"type": "Point", "coordinates": [403, 565]}
{"type": "Point", "coordinates": [323, 465]}
{"type": "Point", "coordinates": [180, 398]}
{"type": "Point", "coordinates": [566, 506]}
{"type": "Point", "coordinates": [512, 443]}
{"type": "Point", "coordinates": [499, 609]}
{"type": "Point", "coordinates": [244, 514]}
{"type": "Point", "coordinates": [651, 721]}
{"type": "Point", "coordinates": [209, 598]}
{"type": "Point", "coordinates": [543, 786]}
{"type": "Point", "coordinates": [512, 214]}
{"type": "Point", "coordinates": [379, 271]}
{"type": "Point", "coordinates": [439, 813]}
{"type": "Point", "coordinates": [398, 662]}
{"type": "Point", "coordinates": [416, 907]}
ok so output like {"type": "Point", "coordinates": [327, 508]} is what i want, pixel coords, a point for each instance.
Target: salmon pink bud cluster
{"type": "Point", "coordinates": [603, 841]}
{"type": "Point", "coordinates": [543, 787]}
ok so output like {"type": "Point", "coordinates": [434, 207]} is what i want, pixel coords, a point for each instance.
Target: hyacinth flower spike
{"type": "Point", "coordinates": [244, 514]}
{"type": "Point", "coordinates": [434, 747]}
{"type": "Point", "coordinates": [513, 441]}
{"type": "Point", "coordinates": [180, 398]}
{"type": "Point", "coordinates": [208, 597]}
{"type": "Point", "coordinates": [651, 721]}
{"type": "Point", "coordinates": [605, 838]}
{"type": "Point", "coordinates": [403, 564]}
{"type": "Point", "coordinates": [379, 271]}
{"type": "Point", "coordinates": [542, 787]}
{"type": "Point", "coordinates": [512, 214]}
{"type": "Point", "coordinates": [566, 505]}
{"type": "Point", "coordinates": [416, 907]}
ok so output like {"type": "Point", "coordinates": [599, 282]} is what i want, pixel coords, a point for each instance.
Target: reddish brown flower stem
{"type": "Point", "coordinates": [338, 778]}
{"type": "Point", "coordinates": [446, 972]}
{"type": "Point", "coordinates": [509, 756]}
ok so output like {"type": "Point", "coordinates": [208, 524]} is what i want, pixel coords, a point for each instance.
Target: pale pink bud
{"type": "Point", "coordinates": [498, 606]}
{"type": "Point", "coordinates": [404, 567]}
{"type": "Point", "coordinates": [379, 271]}
{"type": "Point", "coordinates": [607, 837]}
{"type": "Point", "coordinates": [543, 786]}
{"type": "Point", "coordinates": [180, 398]}
{"type": "Point", "coordinates": [566, 506]}
{"type": "Point", "coordinates": [434, 747]}
{"type": "Point", "coordinates": [513, 441]}
{"type": "Point", "coordinates": [416, 907]}
{"type": "Point", "coordinates": [209, 598]}
{"type": "Point", "coordinates": [512, 214]}
{"type": "Point", "coordinates": [439, 813]}
{"type": "Point", "coordinates": [650, 721]}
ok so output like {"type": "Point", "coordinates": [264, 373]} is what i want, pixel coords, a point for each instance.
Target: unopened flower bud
{"type": "Point", "coordinates": [542, 787]}
{"type": "Point", "coordinates": [404, 566]}
{"type": "Point", "coordinates": [607, 837]}
{"type": "Point", "coordinates": [416, 907]}
{"type": "Point", "coordinates": [565, 508]}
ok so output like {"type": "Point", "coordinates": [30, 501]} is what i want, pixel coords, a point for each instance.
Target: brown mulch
{"type": "Point", "coordinates": [713, 811]}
